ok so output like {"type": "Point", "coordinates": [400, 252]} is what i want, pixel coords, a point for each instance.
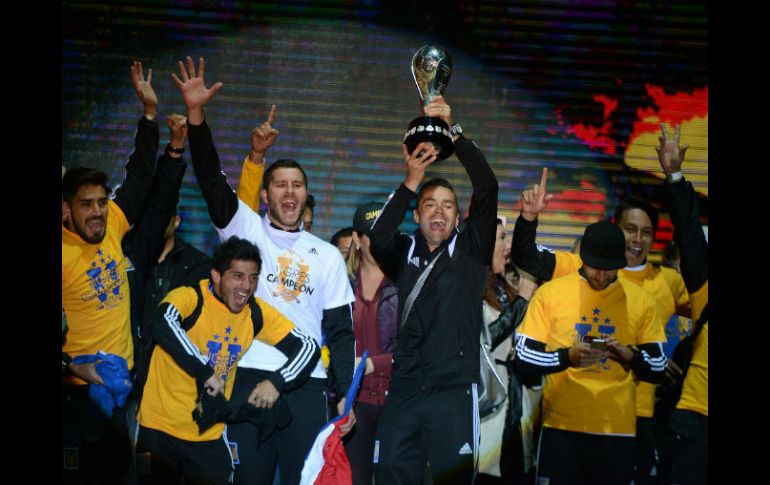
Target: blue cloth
{"type": "Point", "coordinates": [113, 370]}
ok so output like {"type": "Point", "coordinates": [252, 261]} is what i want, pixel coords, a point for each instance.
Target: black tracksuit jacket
{"type": "Point", "coordinates": [439, 343]}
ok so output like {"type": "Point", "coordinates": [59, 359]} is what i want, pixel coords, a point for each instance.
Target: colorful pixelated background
{"type": "Point", "coordinates": [577, 86]}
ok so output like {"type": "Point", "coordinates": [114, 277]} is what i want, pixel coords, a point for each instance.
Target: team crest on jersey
{"type": "Point", "coordinates": [293, 278]}
{"type": "Point", "coordinates": [223, 352]}
{"type": "Point", "coordinates": [106, 281]}
{"type": "Point", "coordinates": [596, 325]}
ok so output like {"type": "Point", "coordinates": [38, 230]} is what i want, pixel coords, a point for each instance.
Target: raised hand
{"type": "Point", "coordinates": [438, 108]}
{"type": "Point", "coordinates": [670, 155]}
{"type": "Point", "coordinates": [144, 88]}
{"type": "Point", "coordinates": [177, 125]}
{"type": "Point", "coordinates": [263, 137]}
{"type": "Point", "coordinates": [423, 155]}
{"type": "Point", "coordinates": [535, 200]}
{"type": "Point", "coordinates": [194, 90]}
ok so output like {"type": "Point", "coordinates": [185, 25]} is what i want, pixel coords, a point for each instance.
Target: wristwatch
{"type": "Point", "coordinates": [674, 177]}
{"type": "Point", "coordinates": [176, 151]}
{"type": "Point", "coordinates": [456, 130]}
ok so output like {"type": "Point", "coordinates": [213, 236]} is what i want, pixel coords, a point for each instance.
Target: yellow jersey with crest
{"type": "Point", "coordinates": [221, 337]}
{"type": "Point", "coordinates": [599, 399]}
{"type": "Point", "coordinates": [95, 294]}
{"type": "Point", "coordinates": [666, 287]}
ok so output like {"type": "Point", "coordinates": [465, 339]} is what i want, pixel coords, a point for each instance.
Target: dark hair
{"type": "Point", "coordinates": [344, 232]}
{"type": "Point", "coordinates": [635, 203]}
{"type": "Point", "coordinates": [435, 182]}
{"type": "Point", "coordinates": [235, 248]}
{"type": "Point", "coordinates": [282, 163]}
{"type": "Point", "coordinates": [310, 201]}
{"type": "Point", "coordinates": [78, 177]}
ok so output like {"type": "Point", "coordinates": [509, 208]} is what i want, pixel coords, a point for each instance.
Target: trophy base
{"type": "Point", "coordinates": [433, 130]}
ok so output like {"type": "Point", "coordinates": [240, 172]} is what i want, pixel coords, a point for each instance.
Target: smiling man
{"type": "Point", "coordinates": [431, 412]}
{"type": "Point", "coordinates": [303, 277]}
{"type": "Point", "coordinates": [201, 333]}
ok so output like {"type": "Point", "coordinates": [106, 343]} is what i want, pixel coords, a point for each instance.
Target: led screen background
{"type": "Point", "coordinates": [577, 86]}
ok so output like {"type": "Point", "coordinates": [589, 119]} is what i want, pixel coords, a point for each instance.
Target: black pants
{"type": "Point", "coordinates": [645, 452]}
{"type": "Point", "coordinates": [95, 447]}
{"type": "Point", "coordinates": [567, 457]}
{"type": "Point", "coordinates": [439, 426]}
{"type": "Point", "coordinates": [255, 462]}
{"type": "Point", "coordinates": [165, 459]}
{"type": "Point", "coordinates": [360, 445]}
{"type": "Point", "coordinates": [691, 456]}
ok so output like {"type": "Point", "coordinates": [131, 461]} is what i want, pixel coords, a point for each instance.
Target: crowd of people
{"type": "Point", "coordinates": [178, 367]}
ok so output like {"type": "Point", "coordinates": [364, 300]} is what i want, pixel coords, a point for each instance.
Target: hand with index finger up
{"type": "Point", "coordinates": [535, 200]}
{"type": "Point", "coordinates": [263, 137]}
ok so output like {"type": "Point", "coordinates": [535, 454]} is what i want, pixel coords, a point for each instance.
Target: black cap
{"type": "Point", "coordinates": [365, 216]}
{"type": "Point", "coordinates": [603, 246]}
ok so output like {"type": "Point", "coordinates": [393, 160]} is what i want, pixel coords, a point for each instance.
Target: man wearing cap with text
{"type": "Point", "coordinates": [591, 334]}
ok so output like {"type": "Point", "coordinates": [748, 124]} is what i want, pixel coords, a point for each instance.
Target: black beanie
{"type": "Point", "coordinates": [603, 246]}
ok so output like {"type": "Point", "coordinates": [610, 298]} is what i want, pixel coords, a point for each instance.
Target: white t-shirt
{"type": "Point", "coordinates": [301, 276]}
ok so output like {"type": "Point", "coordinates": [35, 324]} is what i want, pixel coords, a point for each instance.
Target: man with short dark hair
{"type": "Point", "coordinates": [431, 414]}
{"type": "Point", "coordinates": [201, 333]}
{"type": "Point", "coordinates": [585, 331]}
{"type": "Point", "coordinates": [95, 295]}
{"type": "Point", "coordinates": [304, 278]}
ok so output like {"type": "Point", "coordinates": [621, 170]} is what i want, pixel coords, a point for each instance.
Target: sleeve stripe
{"type": "Point", "coordinates": [658, 364]}
{"type": "Point", "coordinates": [172, 318]}
{"type": "Point", "coordinates": [302, 360]}
{"type": "Point", "coordinates": [534, 357]}
{"type": "Point", "coordinates": [383, 209]}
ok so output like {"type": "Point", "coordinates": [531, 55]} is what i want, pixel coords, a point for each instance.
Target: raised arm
{"type": "Point", "coordinates": [524, 250]}
{"type": "Point", "coordinates": [149, 231]}
{"type": "Point", "coordinates": [388, 244]}
{"type": "Point", "coordinates": [132, 193]}
{"type": "Point", "coordinates": [262, 138]}
{"type": "Point", "coordinates": [220, 198]}
{"type": "Point", "coordinates": [683, 209]}
{"type": "Point", "coordinates": [482, 214]}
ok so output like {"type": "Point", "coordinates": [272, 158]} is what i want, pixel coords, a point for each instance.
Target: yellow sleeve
{"type": "Point", "coordinates": [653, 328]}
{"type": "Point", "coordinates": [248, 184]}
{"type": "Point", "coordinates": [536, 324]}
{"type": "Point", "coordinates": [184, 299]}
{"type": "Point", "coordinates": [566, 263]}
{"type": "Point", "coordinates": [275, 326]}
{"type": "Point", "coordinates": [117, 218]}
{"type": "Point", "coordinates": [678, 291]}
